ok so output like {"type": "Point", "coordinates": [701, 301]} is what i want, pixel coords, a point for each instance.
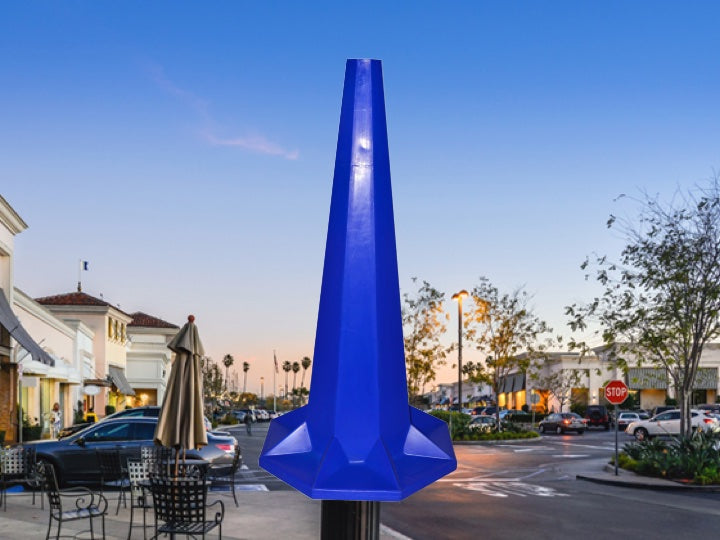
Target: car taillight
{"type": "Point", "coordinates": [566, 421]}
{"type": "Point", "coordinates": [708, 420]}
{"type": "Point", "coordinates": [225, 447]}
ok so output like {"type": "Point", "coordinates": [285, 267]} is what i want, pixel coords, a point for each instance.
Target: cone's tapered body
{"type": "Point", "coordinates": [357, 438]}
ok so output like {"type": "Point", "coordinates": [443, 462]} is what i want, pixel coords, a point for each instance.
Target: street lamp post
{"type": "Point", "coordinates": [262, 388]}
{"type": "Point", "coordinates": [459, 297]}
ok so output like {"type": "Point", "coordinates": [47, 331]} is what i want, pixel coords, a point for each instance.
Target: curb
{"type": "Point", "coordinates": [646, 485]}
{"type": "Point", "coordinates": [491, 443]}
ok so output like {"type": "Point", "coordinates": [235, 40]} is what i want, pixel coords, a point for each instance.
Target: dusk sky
{"type": "Point", "coordinates": [186, 150]}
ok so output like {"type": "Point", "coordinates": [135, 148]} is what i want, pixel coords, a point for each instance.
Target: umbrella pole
{"type": "Point", "coordinates": [177, 457]}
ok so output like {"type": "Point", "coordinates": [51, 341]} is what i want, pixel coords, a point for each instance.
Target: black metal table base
{"type": "Point", "coordinates": [350, 520]}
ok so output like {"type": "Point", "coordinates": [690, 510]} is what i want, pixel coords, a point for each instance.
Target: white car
{"type": "Point", "coordinates": [668, 423]}
{"type": "Point", "coordinates": [626, 418]}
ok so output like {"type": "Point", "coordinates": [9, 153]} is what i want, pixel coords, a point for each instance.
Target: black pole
{"type": "Point", "coordinates": [460, 352]}
{"type": "Point", "coordinates": [616, 440]}
{"type": "Point", "coordinates": [350, 520]}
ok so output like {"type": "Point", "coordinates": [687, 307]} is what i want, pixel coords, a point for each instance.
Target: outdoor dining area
{"type": "Point", "coordinates": [165, 491]}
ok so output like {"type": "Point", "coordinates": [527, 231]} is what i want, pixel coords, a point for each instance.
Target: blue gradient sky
{"type": "Point", "coordinates": [187, 151]}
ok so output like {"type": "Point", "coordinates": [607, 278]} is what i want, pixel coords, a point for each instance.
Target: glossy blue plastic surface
{"type": "Point", "coordinates": [357, 438]}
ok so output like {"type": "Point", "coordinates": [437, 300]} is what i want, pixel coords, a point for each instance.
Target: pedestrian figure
{"type": "Point", "coordinates": [55, 420]}
{"type": "Point", "coordinates": [248, 423]}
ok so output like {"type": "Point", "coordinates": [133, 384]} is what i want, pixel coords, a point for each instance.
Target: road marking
{"type": "Point", "coordinates": [241, 487]}
{"type": "Point", "coordinates": [392, 533]}
{"type": "Point", "coordinates": [505, 488]}
{"type": "Point", "coordinates": [571, 455]}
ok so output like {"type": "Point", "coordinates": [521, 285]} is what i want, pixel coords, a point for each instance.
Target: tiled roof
{"type": "Point", "coordinates": [148, 321]}
{"type": "Point", "coordinates": [75, 299]}
{"type": "Point", "coordinates": [72, 299]}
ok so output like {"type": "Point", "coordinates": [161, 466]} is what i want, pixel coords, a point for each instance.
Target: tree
{"type": "Point", "coordinates": [424, 323]}
{"type": "Point", "coordinates": [287, 366]}
{"type": "Point", "coordinates": [246, 368]}
{"type": "Point", "coordinates": [228, 361]}
{"type": "Point", "coordinates": [559, 383]}
{"type": "Point", "coordinates": [212, 380]}
{"type": "Point", "coordinates": [505, 329]}
{"type": "Point", "coordinates": [306, 363]}
{"type": "Point", "coordinates": [295, 369]}
{"type": "Point", "coordinates": [661, 300]}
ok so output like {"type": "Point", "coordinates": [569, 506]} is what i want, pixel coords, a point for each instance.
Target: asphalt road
{"type": "Point", "coordinates": [528, 490]}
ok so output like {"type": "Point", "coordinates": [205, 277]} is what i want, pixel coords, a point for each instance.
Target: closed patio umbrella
{"type": "Point", "coordinates": [180, 425]}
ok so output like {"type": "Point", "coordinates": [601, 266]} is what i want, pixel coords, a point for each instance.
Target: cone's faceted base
{"type": "Point", "coordinates": [322, 470]}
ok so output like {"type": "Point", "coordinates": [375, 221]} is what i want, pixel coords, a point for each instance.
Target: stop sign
{"type": "Point", "coordinates": [616, 392]}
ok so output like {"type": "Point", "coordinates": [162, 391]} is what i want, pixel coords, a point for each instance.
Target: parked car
{"type": "Point", "coordinates": [563, 422]}
{"type": "Point", "coordinates": [482, 423]}
{"type": "Point", "coordinates": [662, 408]}
{"type": "Point", "coordinates": [668, 424]}
{"type": "Point", "coordinates": [597, 416]}
{"type": "Point", "coordinates": [626, 417]}
{"type": "Point", "coordinates": [489, 411]}
{"type": "Point", "coordinates": [75, 459]}
{"type": "Point", "coordinates": [505, 412]}
{"type": "Point", "coordinates": [710, 407]}
{"type": "Point", "coordinates": [477, 411]}
{"type": "Point", "coordinates": [147, 411]}
{"type": "Point", "coordinates": [262, 415]}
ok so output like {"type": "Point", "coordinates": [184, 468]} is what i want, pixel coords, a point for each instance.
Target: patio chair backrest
{"type": "Point", "coordinates": [111, 467]}
{"type": "Point", "coordinates": [49, 480]}
{"type": "Point", "coordinates": [138, 474]}
{"type": "Point", "coordinates": [236, 459]}
{"type": "Point", "coordinates": [156, 458]}
{"type": "Point", "coordinates": [18, 461]}
{"type": "Point", "coordinates": [178, 499]}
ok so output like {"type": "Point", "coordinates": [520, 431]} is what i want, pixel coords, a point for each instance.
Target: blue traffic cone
{"type": "Point", "coordinates": [357, 438]}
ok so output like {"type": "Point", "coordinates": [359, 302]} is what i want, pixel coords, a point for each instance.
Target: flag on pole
{"type": "Point", "coordinates": [84, 265]}
{"type": "Point", "coordinates": [276, 364]}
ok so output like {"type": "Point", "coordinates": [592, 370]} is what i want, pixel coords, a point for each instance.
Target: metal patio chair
{"type": "Point", "coordinates": [84, 503]}
{"type": "Point", "coordinates": [113, 473]}
{"type": "Point", "coordinates": [181, 507]}
{"type": "Point", "coordinates": [225, 474]}
{"type": "Point", "coordinates": [18, 465]}
{"type": "Point", "coordinates": [139, 493]}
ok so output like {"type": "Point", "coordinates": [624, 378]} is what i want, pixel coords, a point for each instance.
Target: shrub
{"type": "Point", "coordinates": [109, 409]}
{"type": "Point", "coordinates": [229, 419]}
{"type": "Point", "coordinates": [694, 458]}
{"type": "Point", "coordinates": [457, 421]}
{"type": "Point", "coordinates": [525, 418]}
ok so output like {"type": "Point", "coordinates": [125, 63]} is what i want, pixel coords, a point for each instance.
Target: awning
{"type": "Point", "coordinates": [656, 378]}
{"type": "Point", "coordinates": [518, 382]}
{"type": "Point", "coordinates": [647, 378]}
{"type": "Point", "coordinates": [117, 376]}
{"type": "Point", "coordinates": [10, 321]}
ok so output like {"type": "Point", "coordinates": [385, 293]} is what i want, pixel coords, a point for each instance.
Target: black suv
{"type": "Point", "coordinates": [597, 415]}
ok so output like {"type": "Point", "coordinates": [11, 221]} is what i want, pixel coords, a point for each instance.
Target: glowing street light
{"type": "Point", "coordinates": [459, 297]}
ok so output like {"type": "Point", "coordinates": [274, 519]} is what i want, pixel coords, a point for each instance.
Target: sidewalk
{"type": "Point", "coordinates": [262, 515]}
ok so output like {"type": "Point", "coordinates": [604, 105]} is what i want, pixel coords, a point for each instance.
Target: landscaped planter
{"type": "Point", "coordinates": [31, 433]}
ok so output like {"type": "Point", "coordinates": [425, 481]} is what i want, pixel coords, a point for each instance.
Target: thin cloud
{"type": "Point", "coordinates": [257, 144]}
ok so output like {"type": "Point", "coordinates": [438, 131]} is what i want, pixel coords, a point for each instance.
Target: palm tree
{"type": "Point", "coordinates": [287, 366]}
{"type": "Point", "coordinates": [295, 368]}
{"type": "Point", "coordinates": [246, 367]}
{"type": "Point", "coordinates": [228, 361]}
{"type": "Point", "coordinates": [306, 362]}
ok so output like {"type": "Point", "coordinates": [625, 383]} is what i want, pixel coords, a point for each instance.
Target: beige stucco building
{"type": "Point", "coordinates": [148, 357]}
